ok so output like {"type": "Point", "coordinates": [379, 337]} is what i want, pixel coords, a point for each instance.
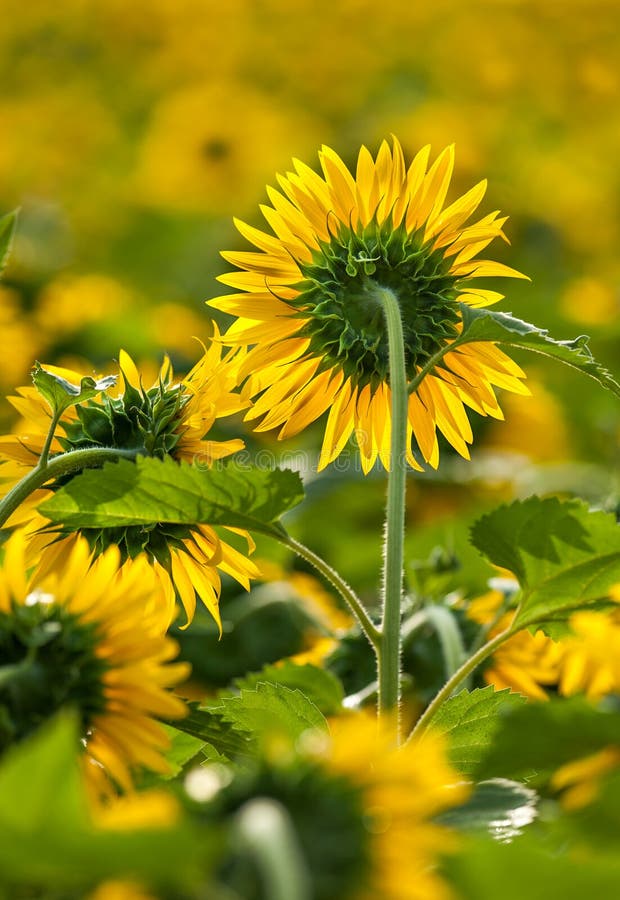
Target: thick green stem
{"type": "Point", "coordinates": [389, 656]}
{"type": "Point", "coordinates": [459, 676]}
{"type": "Point", "coordinates": [264, 828]}
{"type": "Point", "coordinates": [347, 593]}
{"type": "Point", "coordinates": [63, 464]}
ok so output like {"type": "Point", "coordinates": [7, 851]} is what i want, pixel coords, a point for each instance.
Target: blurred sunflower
{"type": "Point", "coordinates": [526, 662]}
{"type": "Point", "coordinates": [309, 303]}
{"type": "Point", "coordinates": [362, 809]}
{"type": "Point", "coordinates": [92, 638]}
{"type": "Point", "coordinates": [584, 661]}
{"type": "Point", "coordinates": [402, 790]}
{"type": "Point", "coordinates": [171, 418]}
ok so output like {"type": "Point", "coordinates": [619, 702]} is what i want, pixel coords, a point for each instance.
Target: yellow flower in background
{"type": "Point", "coordinates": [591, 655]}
{"type": "Point", "coordinates": [307, 303]}
{"type": "Point", "coordinates": [120, 890]}
{"type": "Point", "coordinates": [68, 304]}
{"type": "Point", "coordinates": [168, 419]}
{"type": "Point", "coordinates": [579, 781]}
{"type": "Point", "coordinates": [535, 426]}
{"type": "Point", "coordinates": [401, 791]}
{"type": "Point", "coordinates": [21, 340]}
{"type": "Point", "coordinates": [89, 637]}
{"type": "Point", "coordinates": [585, 661]}
{"type": "Point", "coordinates": [592, 301]}
{"type": "Point", "coordinates": [209, 146]}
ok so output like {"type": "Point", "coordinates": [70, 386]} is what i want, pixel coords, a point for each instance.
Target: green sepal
{"type": "Point", "coordinates": [62, 394]}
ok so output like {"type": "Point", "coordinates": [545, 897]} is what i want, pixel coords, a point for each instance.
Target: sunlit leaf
{"type": "Point", "coordinates": [502, 328]}
{"type": "Point", "coordinates": [318, 685]}
{"type": "Point", "coordinates": [564, 555]}
{"type": "Point", "coordinates": [271, 710]}
{"type": "Point", "coordinates": [500, 807]}
{"type": "Point", "coordinates": [469, 722]}
{"type": "Point", "coordinates": [151, 490]}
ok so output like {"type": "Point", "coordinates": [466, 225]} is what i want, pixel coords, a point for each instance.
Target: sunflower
{"type": "Point", "coordinates": [362, 809]}
{"type": "Point", "coordinates": [171, 418]}
{"type": "Point", "coordinates": [308, 304]}
{"type": "Point", "coordinates": [526, 662]}
{"type": "Point", "coordinates": [584, 661]}
{"type": "Point", "coordinates": [93, 638]}
{"type": "Point", "coordinates": [402, 790]}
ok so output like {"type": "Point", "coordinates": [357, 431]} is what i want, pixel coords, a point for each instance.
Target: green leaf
{"type": "Point", "coordinates": [183, 748]}
{"type": "Point", "coordinates": [488, 870]}
{"type": "Point", "coordinates": [318, 685]}
{"type": "Point", "coordinates": [61, 394]}
{"type": "Point", "coordinates": [151, 490]}
{"type": "Point", "coordinates": [221, 740]}
{"type": "Point", "coordinates": [564, 556]}
{"type": "Point", "coordinates": [48, 839]}
{"type": "Point", "coordinates": [271, 710]}
{"type": "Point", "coordinates": [469, 721]}
{"type": "Point", "coordinates": [502, 328]}
{"type": "Point", "coordinates": [535, 739]}
{"type": "Point", "coordinates": [499, 806]}
{"type": "Point", "coordinates": [597, 822]}
{"type": "Point", "coordinates": [7, 232]}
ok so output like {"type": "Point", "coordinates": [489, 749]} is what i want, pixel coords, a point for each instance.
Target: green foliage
{"type": "Point", "coordinates": [534, 739]}
{"type": "Point", "coordinates": [220, 739]}
{"type": "Point", "coordinates": [153, 490]}
{"type": "Point", "coordinates": [61, 394]}
{"type": "Point", "coordinates": [183, 749]}
{"type": "Point", "coordinates": [597, 822]}
{"type": "Point", "coordinates": [7, 233]}
{"type": "Point", "coordinates": [270, 710]}
{"type": "Point", "coordinates": [262, 626]}
{"type": "Point", "coordinates": [499, 806]}
{"type": "Point", "coordinates": [502, 328]}
{"type": "Point", "coordinates": [470, 721]}
{"type": "Point", "coordinates": [47, 837]}
{"type": "Point", "coordinates": [318, 685]}
{"type": "Point", "coordinates": [236, 727]}
{"type": "Point", "coordinates": [486, 870]}
{"type": "Point", "coordinates": [564, 556]}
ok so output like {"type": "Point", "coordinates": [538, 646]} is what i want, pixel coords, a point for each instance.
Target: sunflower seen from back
{"type": "Point", "coordinates": [92, 638]}
{"type": "Point", "coordinates": [306, 304]}
{"type": "Point", "coordinates": [170, 418]}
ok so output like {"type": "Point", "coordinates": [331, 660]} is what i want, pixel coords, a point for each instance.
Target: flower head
{"type": "Point", "coordinates": [586, 660]}
{"type": "Point", "coordinates": [307, 301]}
{"type": "Point", "coordinates": [170, 418]}
{"type": "Point", "coordinates": [363, 809]}
{"type": "Point", "coordinates": [93, 638]}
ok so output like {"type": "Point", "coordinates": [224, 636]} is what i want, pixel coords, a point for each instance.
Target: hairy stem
{"type": "Point", "coordinates": [347, 593]}
{"type": "Point", "coordinates": [459, 676]}
{"type": "Point", "coordinates": [389, 656]}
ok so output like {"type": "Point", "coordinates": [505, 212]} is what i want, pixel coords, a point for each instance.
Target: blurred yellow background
{"type": "Point", "coordinates": [132, 133]}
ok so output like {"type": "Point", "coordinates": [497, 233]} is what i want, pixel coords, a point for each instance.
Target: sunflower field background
{"type": "Point", "coordinates": [132, 137]}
